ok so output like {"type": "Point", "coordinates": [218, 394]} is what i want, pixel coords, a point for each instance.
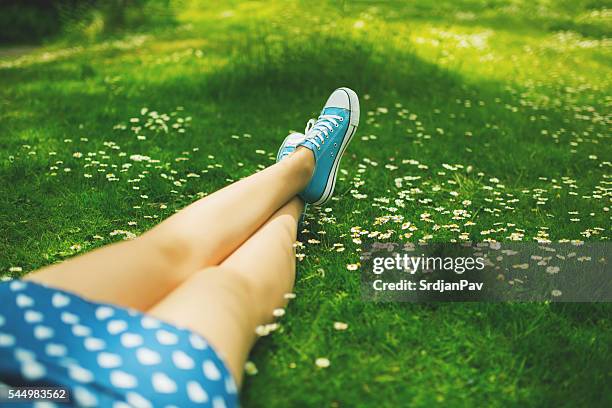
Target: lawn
{"type": "Point", "coordinates": [481, 120]}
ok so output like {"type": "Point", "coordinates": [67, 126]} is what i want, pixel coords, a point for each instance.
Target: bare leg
{"type": "Point", "coordinates": [139, 273]}
{"type": "Point", "coordinates": [227, 302]}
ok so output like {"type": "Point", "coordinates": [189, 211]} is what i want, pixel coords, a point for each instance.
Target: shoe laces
{"type": "Point", "coordinates": [319, 130]}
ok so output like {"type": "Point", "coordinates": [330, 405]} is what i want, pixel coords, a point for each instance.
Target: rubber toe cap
{"type": "Point", "coordinates": [338, 99]}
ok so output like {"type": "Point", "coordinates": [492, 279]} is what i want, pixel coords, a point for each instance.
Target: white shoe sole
{"type": "Point", "coordinates": [353, 123]}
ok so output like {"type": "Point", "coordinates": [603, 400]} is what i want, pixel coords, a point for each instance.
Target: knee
{"type": "Point", "coordinates": [239, 290]}
{"type": "Point", "coordinates": [234, 288]}
{"type": "Point", "coordinates": [173, 251]}
{"type": "Point", "coordinates": [227, 280]}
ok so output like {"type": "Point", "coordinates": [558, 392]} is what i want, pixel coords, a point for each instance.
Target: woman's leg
{"type": "Point", "coordinates": [140, 272]}
{"type": "Point", "coordinates": [227, 302]}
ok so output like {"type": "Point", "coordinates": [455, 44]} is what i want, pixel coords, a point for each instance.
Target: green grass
{"type": "Point", "coordinates": [505, 105]}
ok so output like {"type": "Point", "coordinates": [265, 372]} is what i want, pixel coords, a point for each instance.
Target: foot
{"type": "Point", "coordinates": [289, 145]}
{"type": "Point", "coordinates": [328, 138]}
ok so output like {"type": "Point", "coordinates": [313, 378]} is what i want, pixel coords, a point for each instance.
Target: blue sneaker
{"type": "Point", "coordinates": [289, 145]}
{"type": "Point", "coordinates": [328, 138]}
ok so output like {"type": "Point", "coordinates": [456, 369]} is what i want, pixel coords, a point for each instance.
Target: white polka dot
{"type": "Point", "coordinates": [94, 344]}
{"type": "Point", "coordinates": [218, 402]}
{"type": "Point", "coordinates": [6, 340]}
{"type": "Point", "coordinates": [109, 360]}
{"type": "Point", "coordinates": [81, 331]}
{"type": "Point", "coordinates": [32, 316]}
{"type": "Point", "coordinates": [43, 332]}
{"type": "Point", "coordinates": [116, 326]}
{"type": "Point", "coordinates": [60, 300]}
{"type": "Point", "coordinates": [24, 300]}
{"type": "Point", "coordinates": [150, 323]}
{"type": "Point", "coordinates": [84, 398]}
{"type": "Point", "coordinates": [24, 355]}
{"type": "Point", "coordinates": [69, 318]}
{"type": "Point", "coordinates": [32, 370]}
{"type": "Point", "coordinates": [147, 356]}
{"type": "Point", "coordinates": [44, 404]}
{"type": "Point", "coordinates": [17, 285]}
{"type": "Point", "coordinates": [166, 338]}
{"type": "Point", "coordinates": [121, 379]}
{"type": "Point", "coordinates": [138, 401]}
{"type": "Point", "coordinates": [104, 312]}
{"type": "Point", "coordinates": [131, 340]}
{"type": "Point", "coordinates": [230, 385]}
{"type": "Point", "coordinates": [80, 374]}
{"type": "Point", "coordinates": [55, 350]}
{"type": "Point", "coordinates": [162, 383]}
{"type": "Point", "coordinates": [196, 393]}
{"type": "Point", "coordinates": [211, 371]}
{"type": "Point", "coordinates": [182, 360]}
{"type": "Point", "coordinates": [197, 342]}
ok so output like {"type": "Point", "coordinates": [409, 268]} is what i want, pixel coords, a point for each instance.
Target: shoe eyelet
{"type": "Point", "coordinates": [341, 119]}
{"type": "Point", "coordinates": [336, 125]}
{"type": "Point", "coordinates": [335, 144]}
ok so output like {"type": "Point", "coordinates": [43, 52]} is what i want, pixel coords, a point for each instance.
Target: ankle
{"type": "Point", "coordinates": [301, 166]}
{"type": "Point", "coordinates": [307, 159]}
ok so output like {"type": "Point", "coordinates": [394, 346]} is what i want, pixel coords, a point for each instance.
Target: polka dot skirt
{"type": "Point", "coordinates": [106, 356]}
